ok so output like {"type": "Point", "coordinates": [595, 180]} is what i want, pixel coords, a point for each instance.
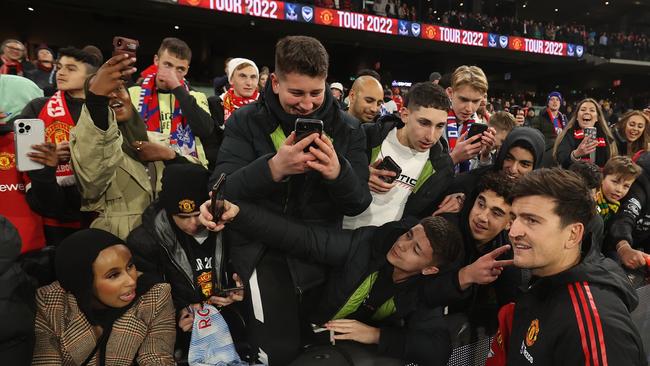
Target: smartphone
{"type": "Point", "coordinates": [28, 132]}
{"type": "Point", "coordinates": [217, 203]}
{"type": "Point", "coordinates": [389, 164]}
{"type": "Point", "coordinates": [476, 129]}
{"type": "Point", "coordinates": [307, 126]}
{"type": "Point", "coordinates": [514, 110]}
{"type": "Point", "coordinates": [224, 292]}
{"type": "Point", "coordinates": [123, 45]}
{"type": "Point", "coordinates": [591, 132]}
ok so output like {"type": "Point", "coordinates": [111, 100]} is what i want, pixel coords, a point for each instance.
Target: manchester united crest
{"type": "Point", "coordinates": [186, 206]}
{"type": "Point", "coordinates": [7, 160]}
{"type": "Point", "coordinates": [327, 17]}
{"type": "Point", "coordinates": [533, 331]}
{"type": "Point", "coordinates": [58, 132]}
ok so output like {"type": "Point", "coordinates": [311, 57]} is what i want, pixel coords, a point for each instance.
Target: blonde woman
{"type": "Point", "coordinates": [631, 133]}
{"type": "Point", "coordinates": [572, 145]}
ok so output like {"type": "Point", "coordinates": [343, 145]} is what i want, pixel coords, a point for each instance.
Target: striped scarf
{"type": "Point", "coordinates": [181, 137]}
{"type": "Point", "coordinates": [606, 209]}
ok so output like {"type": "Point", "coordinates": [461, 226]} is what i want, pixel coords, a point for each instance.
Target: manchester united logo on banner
{"type": "Point", "coordinates": [430, 32]}
{"type": "Point", "coordinates": [58, 132]}
{"type": "Point", "coordinates": [327, 17]}
{"type": "Point", "coordinates": [7, 161]}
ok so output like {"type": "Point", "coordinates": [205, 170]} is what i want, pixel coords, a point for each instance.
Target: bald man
{"type": "Point", "coordinates": [366, 97]}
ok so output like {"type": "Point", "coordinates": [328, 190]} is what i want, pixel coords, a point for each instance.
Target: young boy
{"type": "Point", "coordinates": [618, 175]}
{"type": "Point", "coordinates": [503, 123]}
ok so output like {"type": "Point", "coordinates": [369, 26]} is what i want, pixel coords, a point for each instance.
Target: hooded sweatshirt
{"type": "Point", "coordinates": [467, 182]}
{"type": "Point", "coordinates": [16, 301]}
{"type": "Point", "coordinates": [577, 317]}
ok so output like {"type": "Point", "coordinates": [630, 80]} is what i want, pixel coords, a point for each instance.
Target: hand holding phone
{"type": "Point", "coordinates": [27, 133]}
{"type": "Point", "coordinates": [389, 164]}
{"type": "Point", "coordinates": [476, 129]}
{"type": "Point", "coordinates": [217, 203]}
{"type": "Point", "coordinates": [305, 127]}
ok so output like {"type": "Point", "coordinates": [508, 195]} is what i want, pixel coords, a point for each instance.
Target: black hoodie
{"type": "Point", "coordinates": [632, 221]}
{"type": "Point", "coordinates": [248, 145]}
{"type": "Point", "coordinates": [467, 182]}
{"type": "Point", "coordinates": [575, 316]}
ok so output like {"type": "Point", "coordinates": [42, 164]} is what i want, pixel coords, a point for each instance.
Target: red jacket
{"type": "Point", "coordinates": [12, 195]}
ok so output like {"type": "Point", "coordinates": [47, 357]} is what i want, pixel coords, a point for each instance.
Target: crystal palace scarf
{"type": "Point", "coordinates": [180, 134]}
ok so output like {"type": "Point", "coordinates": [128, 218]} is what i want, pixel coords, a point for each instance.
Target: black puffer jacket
{"type": "Point", "coordinates": [252, 135]}
{"type": "Point", "coordinates": [427, 195]}
{"type": "Point", "coordinates": [414, 332]}
{"type": "Point", "coordinates": [17, 304]}
{"type": "Point", "coordinates": [157, 251]}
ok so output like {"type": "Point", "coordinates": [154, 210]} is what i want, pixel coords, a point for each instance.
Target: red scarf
{"type": "Point", "coordinates": [231, 102]}
{"type": "Point", "coordinates": [180, 137]}
{"type": "Point", "coordinates": [7, 64]}
{"type": "Point", "coordinates": [58, 123]}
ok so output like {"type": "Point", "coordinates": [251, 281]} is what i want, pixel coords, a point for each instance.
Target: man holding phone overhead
{"type": "Point", "coordinates": [266, 163]}
{"type": "Point", "coordinates": [410, 167]}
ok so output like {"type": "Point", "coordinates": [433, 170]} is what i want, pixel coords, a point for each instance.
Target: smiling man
{"type": "Point", "coordinates": [576, 310]}
{"type": "Point", "coordinates": [366, 98]}
{"type": "Point", "coordinates": [412, 142]}
{"type": "Point", "coordinates": [266, 164]}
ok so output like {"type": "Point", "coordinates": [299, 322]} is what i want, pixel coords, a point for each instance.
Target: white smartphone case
{"type": "Point", "coordinates": [27, 132]}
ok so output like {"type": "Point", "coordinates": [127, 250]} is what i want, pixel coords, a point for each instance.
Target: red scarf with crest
{"type": "Point", "coordinates": [232, 102]}
{"type": "Point", "coordinates": [58, 123]}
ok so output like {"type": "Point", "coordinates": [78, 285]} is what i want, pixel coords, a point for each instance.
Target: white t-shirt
{"type": "Point", "coordinates": [389, 206]}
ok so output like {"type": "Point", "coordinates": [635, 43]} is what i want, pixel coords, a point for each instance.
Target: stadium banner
{"type": "Point", "coordinates": [295, 12]}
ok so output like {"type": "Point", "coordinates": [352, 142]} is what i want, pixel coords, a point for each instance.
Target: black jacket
{"type": "Point", "coordinates": [482, 302]}
{"type": "Point", "coordinates": [244, 155]}
{"type": "Point", "coordinates": [414, 332]}
{"type": "Point", "coordinates": [570, 143]}
{"type": "Point", "coordinates": [17, 304]}
{"type": "Point", "coordinates": [632, 221]}
{"type": "Point", "coordinates": [467, 182]}
{"type": "Point", "coordinates": [157, 250]}
{"type": "Point", "coordinates": [581, 312]}
{"type": "Point", "coordinates": [423, 201]}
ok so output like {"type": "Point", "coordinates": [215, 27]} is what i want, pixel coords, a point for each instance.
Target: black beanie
{"type": "Point", "coordinates": [184, 188]}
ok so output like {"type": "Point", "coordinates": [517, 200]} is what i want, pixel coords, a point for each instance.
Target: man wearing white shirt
{"type": "Point", "coordinates": [413, 142]}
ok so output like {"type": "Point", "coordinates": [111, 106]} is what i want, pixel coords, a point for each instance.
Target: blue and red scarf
{"type": "Point", "coordinates": [452, 128]}
{"type": "Point", "coordinates": [180, 137]}
{"type": "Point", "coordinates": [559, 122]}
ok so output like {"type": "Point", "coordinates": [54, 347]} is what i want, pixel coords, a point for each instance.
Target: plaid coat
{"type": "Point", "coordinates": [145, 333]}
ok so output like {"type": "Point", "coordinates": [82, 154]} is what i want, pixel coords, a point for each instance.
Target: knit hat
{"type": "Point", "coordinates": [338, 86]}
{"type": "Point", "coordinates": [435, 76]}
{"type": "Point", "coordinates": [554, 94]}
{"type": "Point", "coordinates": [235, 63]}
{"type": "Point", "coordinates": [184, 188]}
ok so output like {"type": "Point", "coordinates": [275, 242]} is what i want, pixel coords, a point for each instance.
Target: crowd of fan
{"type": "Point", "coordinates": [282, 220]}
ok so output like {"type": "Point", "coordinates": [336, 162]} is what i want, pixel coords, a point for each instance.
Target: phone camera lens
{"type": "Point", "coordinates": [21, 125]}
{"type": "Point", "coordinates": [21, 131]}
{"type": "Point", "coordinates": [28, 128]}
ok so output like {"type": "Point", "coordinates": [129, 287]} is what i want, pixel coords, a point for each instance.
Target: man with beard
{"type": "Point", "coordinates": [366, 98]}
